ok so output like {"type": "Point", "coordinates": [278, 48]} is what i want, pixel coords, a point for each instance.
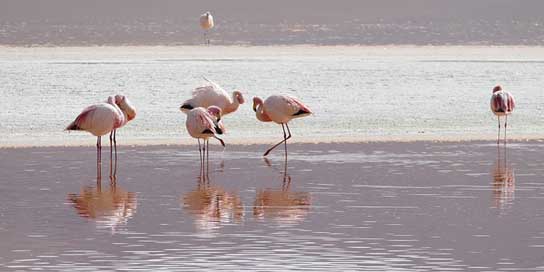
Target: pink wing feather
{"type": "Point", "coordinates": [81, 118]}
{"type": "Point", "coordinates": [301, 107]}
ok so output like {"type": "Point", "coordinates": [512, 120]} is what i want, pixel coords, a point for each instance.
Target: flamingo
{"type": "Point", "coordinates": [129, 113]}
{"type": "Point", "coordinates": [502, 104]}
{"type": "Point", "coordinates": [99, 120]}
{"type": "Point", "coordinates": [280, 109]}
{"type": "Point", "coordinates": [206, 22]}
{"type": "Point", "coordinates": [203, 123]}
{"type": "Point", "coordinates": [213, 95]}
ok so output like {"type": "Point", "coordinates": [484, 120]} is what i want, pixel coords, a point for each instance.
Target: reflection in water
{"type": "Point", "coordinates": [212, 206]}
{"type": "Point", "coordinates": [282, 205]}
{"type": "Point", "coordinates": [503, 181]}
{"type": "Point", "coordinates": [108, 208]}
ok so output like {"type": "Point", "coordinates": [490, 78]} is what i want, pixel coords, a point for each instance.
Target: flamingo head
{"type": "Point", "coordinates": [497, 88]}
{"type": "Point", "coordinates": [215, 111]}
{"type": "Point", "coordinates": [239, 97]}
{"type": "Point", "coordinates": [256, 102]}
{"type": "Point", "coordinates": [125, 105]}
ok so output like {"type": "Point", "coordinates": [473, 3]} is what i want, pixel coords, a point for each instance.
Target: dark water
{"type": "Point", "coordinates": [342, 207]}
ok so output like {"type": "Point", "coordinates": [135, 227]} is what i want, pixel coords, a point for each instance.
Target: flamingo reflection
{"type": "Point", "coordinates": [282, 205]}
{"type": "Point", "coordinates": [212, 206]}
{"type": "Point", "coordinates": [503, 181]}
{"type": "Point", "coordinates": [109, 208]}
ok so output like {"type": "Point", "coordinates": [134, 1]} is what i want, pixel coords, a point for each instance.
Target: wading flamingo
{"type": "Point", "coordinates": [280, 109]}
{"type": "Point", "coordinates": [202, 124]}
{"type": "Point", "coordinates": [129, 113]}
{"type": "Point", "coordinates": [206, 22]}
{"type": "Point", "coordinates": [213, 95]}
{"type": "Point", "coordinates": [502, 104]}
{"type": "Point", "coordinates": [99, 120]}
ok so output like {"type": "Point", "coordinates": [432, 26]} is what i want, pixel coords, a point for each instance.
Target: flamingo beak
{"type": "Point", "coordinates": [254, 107]}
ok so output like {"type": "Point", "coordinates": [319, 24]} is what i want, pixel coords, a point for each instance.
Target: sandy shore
{"type": "Point", "coordinates": [416, 206]}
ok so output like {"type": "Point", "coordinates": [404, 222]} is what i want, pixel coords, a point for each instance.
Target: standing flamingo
{"type": "Point", "coordinates": [206, 22]}
{"type": "Point", "coordinates": [280, 109]}
{"type": "Point", "coordinates": [129, 112]}
{"type": "Point", "coordinates": [502, 104]}
{"type": "Point", "coordinates": [213, 95]}
{"type": "Point", "coordinates": [202, 124]}
{"type": "Point", "coordinates": [99, 120]}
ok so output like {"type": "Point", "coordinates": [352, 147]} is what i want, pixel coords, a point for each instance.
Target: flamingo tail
{"type": "Point", "coordinates": [72, 126]}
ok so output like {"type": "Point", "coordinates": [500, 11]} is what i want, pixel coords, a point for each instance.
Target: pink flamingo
{"type": "Point", "coordinates": [502, 104]}
{"type": "Point", "coordinates": [213, 95]}
{"type": "Point", "coordinates": [99, 120]}
{"type": "Point", "coordinates": [202, 124]}
{"type": "Point", "coordinates": [280, 109]}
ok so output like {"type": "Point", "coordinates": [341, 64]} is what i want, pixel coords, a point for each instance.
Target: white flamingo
{"type": "Point", "coordinates": [206, 23]}
{"type": "Point", "coordinates": [203, 124]}
{"type": "Point", "coordinates": [502, 104]}
{"type": "Point", "coordinates": [280, 109]}
{"type": "Point", "coordinates": [99, 120]}
{"type": "Point", "coordinates": [213, 95]}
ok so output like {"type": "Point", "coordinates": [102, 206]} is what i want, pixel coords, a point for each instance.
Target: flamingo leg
{"type": "Point", "coordinates": [288, 137]}
{"type": "Point", "coordinates": [505, 125]}
{"type": "Point", "coordinates": [207, 157]}
{"type": "Point", "coordinates": [285, 138]}
{"type": "Point", "coordinates": [98, 159]}
{"type": "Point", "coordinates": [111, 154]}
{"type": "Point", "coordinates": [115, 150]}
{"type": "Point", "coordinates": [499, 133]}
{"type": "Point", "coordinates": [200, 156]}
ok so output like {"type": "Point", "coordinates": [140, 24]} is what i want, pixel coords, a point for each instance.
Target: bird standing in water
{"type": "Point", "coordinates": [206, 22]}
{"type": "Point", "coordinates": [280, 109]}
{"type": "Point", "coordinates": [99, 120]}
{"type": "Point", "coordinates": [502, 104]}
{"type": "Point", "coordinates": [203, 124]}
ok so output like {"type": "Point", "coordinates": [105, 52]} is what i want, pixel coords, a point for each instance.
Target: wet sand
{"type": "Point", "coordinates": [419, 206]}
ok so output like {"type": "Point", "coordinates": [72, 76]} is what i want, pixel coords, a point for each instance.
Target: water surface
{"type": "Point", "coordinates": [371, 207]}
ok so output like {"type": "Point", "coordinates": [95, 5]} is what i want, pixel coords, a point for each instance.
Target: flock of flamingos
{"type": "Point", "coordinates": [209, 103]}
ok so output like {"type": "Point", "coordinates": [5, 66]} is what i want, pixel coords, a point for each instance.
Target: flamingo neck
{"type": "Point", "coordinates": [235, 103]}
{"type": "Point", "coordinates": [261, 114]}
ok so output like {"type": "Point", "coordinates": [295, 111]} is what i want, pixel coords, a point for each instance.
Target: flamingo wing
{"type": "Point", "coordinates": [498, 102]}
{"type": "Point", "coordinates": [83, 119]}
{"type": "Point", "coordinates": [296, 106]}
{"type": "Point", "coordinates": [511, 103]}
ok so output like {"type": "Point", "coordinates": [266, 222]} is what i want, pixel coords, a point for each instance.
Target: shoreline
{"type": "Point", "coordinates": [260, 142]}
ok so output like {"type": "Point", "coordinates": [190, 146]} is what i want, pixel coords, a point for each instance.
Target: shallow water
{"type": "Point", "coordinates": [373, 207]}
{"type": "Point", "coordinates": [356, 92]}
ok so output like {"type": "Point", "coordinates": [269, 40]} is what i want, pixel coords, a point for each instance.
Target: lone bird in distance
{"type": "Point", "coordinates": [206, 23]}
{"type": "Point", "coordinates": [502, 104]}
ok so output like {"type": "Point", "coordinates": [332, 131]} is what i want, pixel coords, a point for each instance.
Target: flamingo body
{"type": "Point", "coordinates": [502, 103]}
{"type": "Point", "coordinates": [282, 108]}
{"type": "Point", "coordinates": [213, 95]}
{"type": "Point", "coordinates": [206, 21]}
{"type": "Point", "coordinates": [200, 124]}
{"type": "Point", "coordinates": [99, 119]}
